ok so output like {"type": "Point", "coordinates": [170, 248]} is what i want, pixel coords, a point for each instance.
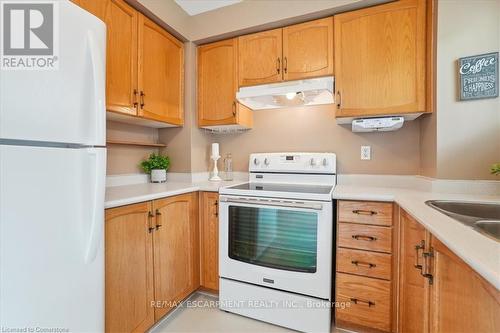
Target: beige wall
{"type": "Point", "coordinates": [467, 133]}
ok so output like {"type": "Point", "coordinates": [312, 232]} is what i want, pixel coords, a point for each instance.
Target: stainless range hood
{"type": "Point", "coordinates": [288, 94]}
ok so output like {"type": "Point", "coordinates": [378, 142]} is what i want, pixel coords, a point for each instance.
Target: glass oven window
{"type": "Point", "coordinates": [272, 237]}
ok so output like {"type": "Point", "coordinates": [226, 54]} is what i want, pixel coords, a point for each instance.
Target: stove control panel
{"type": "Point", "coordinates": [325, 163]}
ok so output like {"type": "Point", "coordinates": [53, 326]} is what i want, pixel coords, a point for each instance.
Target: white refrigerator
{"type": "Point", "coordinates": [52, 183]}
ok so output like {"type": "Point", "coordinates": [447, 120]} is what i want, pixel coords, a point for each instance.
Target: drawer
{"type": "Point", "coordinates": [359, 262]}
{"type": "Point", "coordinates": [370, 301]}
{"type": "Point", "coordinates": [365, 212]}
{"type": "Point", "coordinates": [365, 237]}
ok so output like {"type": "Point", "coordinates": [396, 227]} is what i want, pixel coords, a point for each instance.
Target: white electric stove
{"type": "Point", "coordinates": [276, 241]}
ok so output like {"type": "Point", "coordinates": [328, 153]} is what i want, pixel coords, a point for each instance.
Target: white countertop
{"type": "Point", "coordinates": [128, 194]}
{"type": "Point", "coordinates": [480, 252]}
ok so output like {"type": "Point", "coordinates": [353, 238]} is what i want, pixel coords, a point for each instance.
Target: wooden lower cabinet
{"type": "Point", "coordinates": [439, 292]}
{"type": "Point", "coordinates": [152, 260]}
{"type": "Point", "coordinates": [209, 240]}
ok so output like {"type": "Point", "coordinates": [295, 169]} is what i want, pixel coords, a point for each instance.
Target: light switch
{"type": "Point", "coordinates": [366, 152]}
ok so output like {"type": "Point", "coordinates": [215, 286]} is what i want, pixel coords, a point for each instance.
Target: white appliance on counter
{"type": "Point", "coordinates": [52, 183]}
{"type": "Point", "coordinates": [276, 241]}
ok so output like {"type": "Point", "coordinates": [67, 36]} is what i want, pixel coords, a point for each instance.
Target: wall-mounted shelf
{"type": "Point", "coordinates": [132, 143]}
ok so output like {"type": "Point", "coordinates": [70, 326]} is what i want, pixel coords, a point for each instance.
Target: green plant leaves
{"type": "Point", "coordinates": [155, 161]}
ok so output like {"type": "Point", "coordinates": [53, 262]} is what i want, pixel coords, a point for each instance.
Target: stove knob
{"type": "Point", "coordinates": [266, 161]}
{"type": "Point", "coordinates": [313, 162]}
{"type": "Point", "coordinates": [256, 161]}
{"type": "Point", "coordinates": [325, 162]}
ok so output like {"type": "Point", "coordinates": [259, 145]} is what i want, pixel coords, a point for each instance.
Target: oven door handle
{"type": "Point", "coordinates": [275, 203]}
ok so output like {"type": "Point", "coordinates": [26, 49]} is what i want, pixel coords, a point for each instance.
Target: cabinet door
{"type": "Point", "coordinates": [161, 74]}
{"type": "Point", "coordinates": [210, 240]}
{"type": "Point", "coordinates": [461, 300]}
{"type": "Point", "coordinates": [97, 8]}
{"type": "Point", "coordinates": [308, 49]}
{"type": "Point", "coordinates": [380, 59]}
{"type": "Point", "coordinates": [121, 64]}
{"type": "Point", "coordinates": [129, 269]}
{"type": "Point", "coordinates": [217, 83]}
{"type": "Point", "coordinates": [413, 287]}
{"type": "Point", "coordinates": [173, 255]}
{"type": "Point", "coordinates": [260, 58]}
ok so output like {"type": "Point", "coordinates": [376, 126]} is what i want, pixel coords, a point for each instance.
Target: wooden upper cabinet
{"type": "Point", "coordinates": [461, 300]}
{"type": "Point", "coordinates": [380, 59]}
{"type": "Point", "coordinates": [413, 287]}
{"type": "Point", "coordinates": [308, 49]}
{"type": "Point", "coordinates": [173, 249]}
{"type": "Point", "coordinates": [209, 230]}
{"type": "Point", "coordinates": [260, 58]}
{"type": "Point", "coordinates": [218, 84]}
{"type": "Point", "coordinates": [121, 64]}
{"type": "Point", "coordinates": [129, 269]}
{"type": "Point", "coordinates": [96, 8]}
{"type": "Point", "coordinates": [161, 74]}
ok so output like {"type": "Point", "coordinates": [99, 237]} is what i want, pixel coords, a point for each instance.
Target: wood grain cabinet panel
{"type": "Point", "coordinates": [121, 65]}
{"type": "Point", "coordinates": [209, 230]}
{"type": "Point", "coordinates": [365, 237]}
{"type": "Point", "coordinates": [218, 84]}
{"type": "Point", "coordinates": [97, 8]}
{"type": "Point", "coordinates": [161, 74]}
{"type": "Point", "coordinates": [174, 263]}
{"type": "Point", "coordinates": [308, 49]}
{"type": "Point", "coordinates": [366, 212]}
{"type": "Point", "coordinates": [129, 269]}
{"type": "Point", "coordinates": [365, 263]}
{"type": "Point", "coordinates": [369, 301]}
{"type": "Point", "coordinates": [380, 59]}
{"type": "Point", "coordinates": [260, 57]}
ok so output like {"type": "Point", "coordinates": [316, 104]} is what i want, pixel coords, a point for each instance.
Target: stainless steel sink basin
{"type": "Point", "coordinates": [482, 217]}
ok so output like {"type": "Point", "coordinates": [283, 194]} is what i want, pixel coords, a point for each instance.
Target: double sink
{"type": "Point", "coordinates": [482, 217]}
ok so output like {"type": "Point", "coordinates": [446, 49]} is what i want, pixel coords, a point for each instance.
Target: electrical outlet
{"type": "Point", "coordinates": [366, 152]}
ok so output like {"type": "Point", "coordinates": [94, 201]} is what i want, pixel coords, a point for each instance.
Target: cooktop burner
{"type": "Point", "coordinates": [289, 188]}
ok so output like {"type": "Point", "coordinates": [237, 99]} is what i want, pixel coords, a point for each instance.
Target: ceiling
{"type": "Point", "coordinates": [195, 7]}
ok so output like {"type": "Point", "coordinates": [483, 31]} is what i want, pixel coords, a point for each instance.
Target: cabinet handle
{"type": "Point", "coordinates": [418, 247]}
{"type": "Point", "coordinates": [216, 204]}
{"type": "Point", "coordinates": [285, 65]}
{"type": "Point", "coordinates": [364, 212]}
{"type": "Point", "coordinates": [278, 65]}
{"type": "Point", "coordinates": [142, 99]}
{"type": "Point", "coordinates": [339, 104]}
{"type": "Point", "coordinates": [424, 272]}
{"type": "Point", "coordinates": [361, 263]}
{"type": "Point", "coordinates": [158, 216]}
{"type": "Point", "coordinates": [150, 222]}
{"type": "Point", "coordinates": [357, 300]}
{"type": "Point", "coordinates": [135, 98]}
{"type": "Point", "coordinates": [234, 108]}
{"type": "Point", "coordinates": [363, 237]}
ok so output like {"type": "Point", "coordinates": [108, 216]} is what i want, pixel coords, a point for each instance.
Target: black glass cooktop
{"type": "Point", "coordinates": [292, 188]}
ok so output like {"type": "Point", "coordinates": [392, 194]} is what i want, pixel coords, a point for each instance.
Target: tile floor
{"type": "Point", "coordinates": [210, 319]}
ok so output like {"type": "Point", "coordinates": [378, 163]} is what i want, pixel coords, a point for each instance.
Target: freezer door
{"type": "Point", "coordinates": [51, 238]}
{"type": "Point", "coordinates": [65, 105]}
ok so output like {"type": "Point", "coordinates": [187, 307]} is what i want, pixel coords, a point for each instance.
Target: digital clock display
{"type": "Point", "coordinates": [289, 158]}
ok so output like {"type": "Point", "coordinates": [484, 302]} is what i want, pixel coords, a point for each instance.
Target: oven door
{"type": "Point", "coordinates": [282, 244]}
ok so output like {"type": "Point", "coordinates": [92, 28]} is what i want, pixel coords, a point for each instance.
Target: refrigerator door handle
{"type": "Point", "coordinates": [97, 223]}
{"type": "Point", "coordinates": [98, 75]}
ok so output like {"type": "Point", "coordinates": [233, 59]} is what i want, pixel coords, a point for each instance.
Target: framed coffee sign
{"type": "Point", "coordinates": [478, 76]}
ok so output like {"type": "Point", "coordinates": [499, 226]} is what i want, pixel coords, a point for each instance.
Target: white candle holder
{"type": "Point", "coordinates": [215, 174]}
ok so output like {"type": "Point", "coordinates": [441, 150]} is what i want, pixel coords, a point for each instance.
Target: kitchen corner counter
{"type": "Point", "coordinates": [129, 194]}
{"type": "Point", "coordinates": [480, 252]}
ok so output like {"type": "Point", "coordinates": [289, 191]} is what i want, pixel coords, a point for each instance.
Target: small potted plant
{"type": "Point", "coordinates": [156, 165]}
{"type": "Point", "coordinates": [495, 169]}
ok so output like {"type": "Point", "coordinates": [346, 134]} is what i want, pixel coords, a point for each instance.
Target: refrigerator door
{"type": "Point", "coordinates": [64, 105]}
{"type": "Point", "coordinates": [51, 238]}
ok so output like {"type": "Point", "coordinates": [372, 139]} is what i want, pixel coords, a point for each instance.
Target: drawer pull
{"type": "Point", "coordinates": [361, 263]}
{"type": "Point", "coordinates": [364, 212]}
{"type": "Point", "coordinates": [418, 247]}
{"type": "Point", "coordinates": [361, 301]}
{"type": "Point", "coordinates": [363, 237]}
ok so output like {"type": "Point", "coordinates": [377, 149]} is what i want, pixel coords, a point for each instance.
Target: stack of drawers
{"type": "Point", "coordinates": [364, 264]}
